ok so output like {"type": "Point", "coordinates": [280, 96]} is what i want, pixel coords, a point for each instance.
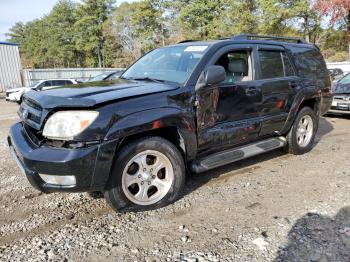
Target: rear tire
{"type": "Point", "coordinates": [301, 136]}
{"type": "Point", "coordinates": [147, 174]}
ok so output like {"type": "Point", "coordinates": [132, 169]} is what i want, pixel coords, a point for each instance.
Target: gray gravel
{"type": "Point", "coordinates": [274, 207]}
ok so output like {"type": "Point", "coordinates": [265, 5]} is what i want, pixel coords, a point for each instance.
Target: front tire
{"type": "Point", "coordinates": [301, 136]}
{"type": "Point", "coordinates": [148, 173]}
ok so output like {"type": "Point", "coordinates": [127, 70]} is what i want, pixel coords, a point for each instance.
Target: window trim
{"type": "Point", "coordinates": [290, 62]}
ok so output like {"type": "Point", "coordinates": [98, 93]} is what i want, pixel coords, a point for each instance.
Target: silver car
{"type": "Point", "coordinates": [341, 99]}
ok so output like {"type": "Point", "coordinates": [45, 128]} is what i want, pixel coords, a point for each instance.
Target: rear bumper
{"type": "Point", "coordinates": [90, 166]}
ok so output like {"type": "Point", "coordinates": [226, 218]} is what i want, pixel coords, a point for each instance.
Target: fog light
{"type": "Point", "coordinates": [59, 180]}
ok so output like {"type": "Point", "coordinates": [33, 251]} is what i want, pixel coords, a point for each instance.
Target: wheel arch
{"type": "Point", "coordinates": [301, 101]}
{"type": "Point", "coordinates": [172, 124]}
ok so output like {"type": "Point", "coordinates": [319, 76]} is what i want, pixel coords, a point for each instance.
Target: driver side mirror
{"type": "Point", "coordinates": [214, 74]}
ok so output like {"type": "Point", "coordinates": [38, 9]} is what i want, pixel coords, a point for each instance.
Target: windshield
{"type": "Point", "coordinates": [345, 80]}
{"type": "Point", "coordinates": [171, 64]}
{"type": "Point", "coordinates": [342, 89]}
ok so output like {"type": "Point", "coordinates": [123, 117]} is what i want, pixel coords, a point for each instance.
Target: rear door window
{"type": "Point", "coordinates": [275, 64]}
{"type": "Point", "coordinates": [271, 64]}
{"type": "Point", "coordinates": [60, 82]}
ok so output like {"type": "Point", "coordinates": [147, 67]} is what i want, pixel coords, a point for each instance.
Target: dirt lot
{"type": "Point", "coordinates": [274, 207]}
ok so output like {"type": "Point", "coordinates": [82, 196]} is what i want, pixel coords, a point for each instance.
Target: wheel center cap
{"type": "Point", "coordinates": [145, 176]}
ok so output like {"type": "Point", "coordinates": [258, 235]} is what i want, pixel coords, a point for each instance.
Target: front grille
{"type": "Point", "coordinates": [33, 134]}
{"type": "Point", "coordinates": [32, 104]}
{"type": "Point", "coordinates": [31, 113]}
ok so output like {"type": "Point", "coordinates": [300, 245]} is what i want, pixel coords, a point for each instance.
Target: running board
{"type": "Point", "coordinates": [236, 154]}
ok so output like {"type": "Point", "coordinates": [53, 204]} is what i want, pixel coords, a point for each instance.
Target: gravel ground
{"type": "Point", "coordinates": [274, 207]}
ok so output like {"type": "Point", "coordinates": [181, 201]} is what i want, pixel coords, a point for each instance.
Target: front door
{"type": "Point", "coordinates": [227, 113]}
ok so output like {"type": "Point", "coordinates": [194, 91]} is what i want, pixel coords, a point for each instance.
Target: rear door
{"type": "Point", "coordinates": [278, 83]}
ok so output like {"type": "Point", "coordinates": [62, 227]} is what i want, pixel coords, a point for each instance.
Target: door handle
{"type": "Point", "coordinates": [251, 91]}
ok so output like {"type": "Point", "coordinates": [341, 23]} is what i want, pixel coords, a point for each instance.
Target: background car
{"type": "Point", "coordinates": [341, 99]}
{"type": "Point", "coordinates": [336, 74]}
{"type": "Point", "coordinates": [15, 94]}
{"type": "Point", "coordinates": [107, 76]}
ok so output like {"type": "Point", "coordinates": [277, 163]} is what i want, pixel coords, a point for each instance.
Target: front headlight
{"type": "Point", "coordinates": [64, 125]}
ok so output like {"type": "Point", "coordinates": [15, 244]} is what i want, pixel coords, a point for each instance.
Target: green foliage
{"type": "Point", "coordinates": [135, 28]}
{"type": "Point", "coordinates": [91, 15]}
{"type": "Point", "coordinates": [92, 33]}
{"type": "Point", "coordinates": [198, 17]}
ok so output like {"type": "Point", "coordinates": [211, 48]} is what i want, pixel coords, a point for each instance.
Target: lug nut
{"type": "Point", "coordinates": [144, 170]}
{"type": "Point", "coordinates": [142, 183]}
{"type": "Point", "coordinates": [151, 170]}
{"type": "Point", "coordinates": [153, 177]}
{"type": "Point", "coordinates": [139, 176]}
{"type": "Point", "coordinates": [149, 183]}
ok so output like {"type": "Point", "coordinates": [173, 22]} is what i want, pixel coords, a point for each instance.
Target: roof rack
{"type": "Point", "coordinates": [186, 41]}
{"type": "Point", "coordinates": [268, 37]}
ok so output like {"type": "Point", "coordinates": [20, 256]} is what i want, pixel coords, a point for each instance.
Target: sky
{"type": "Point", "coordinates": [12, 11]}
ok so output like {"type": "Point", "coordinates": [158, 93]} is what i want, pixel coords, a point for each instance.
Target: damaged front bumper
{"type": "Point", "coordinates": [51, 169]}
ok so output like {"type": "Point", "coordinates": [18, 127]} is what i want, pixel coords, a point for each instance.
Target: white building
{"type": "Point", "coordinates": [10, 66]}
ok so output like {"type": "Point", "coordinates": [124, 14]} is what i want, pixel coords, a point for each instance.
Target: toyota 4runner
{"type": "Point", "coordinates": [193, 106]}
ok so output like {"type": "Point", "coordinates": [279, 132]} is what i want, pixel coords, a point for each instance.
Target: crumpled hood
{"type": "Point", "coordinates": [93, 93]}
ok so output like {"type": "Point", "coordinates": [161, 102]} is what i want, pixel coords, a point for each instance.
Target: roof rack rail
{"type": "Point", "coordinates": [268, 37]}
{"type": "Point", "coordinates": [186, 41]}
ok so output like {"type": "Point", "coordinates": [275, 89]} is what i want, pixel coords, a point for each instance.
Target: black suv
{"type": "Point", "coordinates": [192, 106]}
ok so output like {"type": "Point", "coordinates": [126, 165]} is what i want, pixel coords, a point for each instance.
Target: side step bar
{"type": "Point", "coordinates": [233, 155]}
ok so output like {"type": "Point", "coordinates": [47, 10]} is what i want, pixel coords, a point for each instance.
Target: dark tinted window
{"type": "Point", "coordinates": [46, 83]}
{"type": "Point", "coordinates": [271, 64]}
{"type": "Point", "coordinates": [60, 82]}
{"type": "Point", "coordinates": [310, 63]}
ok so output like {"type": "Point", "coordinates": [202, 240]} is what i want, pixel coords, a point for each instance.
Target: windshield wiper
{"type": "Point", "coordinates": [148, 79]}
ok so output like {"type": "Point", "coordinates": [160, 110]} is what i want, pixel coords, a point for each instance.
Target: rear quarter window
{"type": "Point", "coordinates": [309, 63]}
